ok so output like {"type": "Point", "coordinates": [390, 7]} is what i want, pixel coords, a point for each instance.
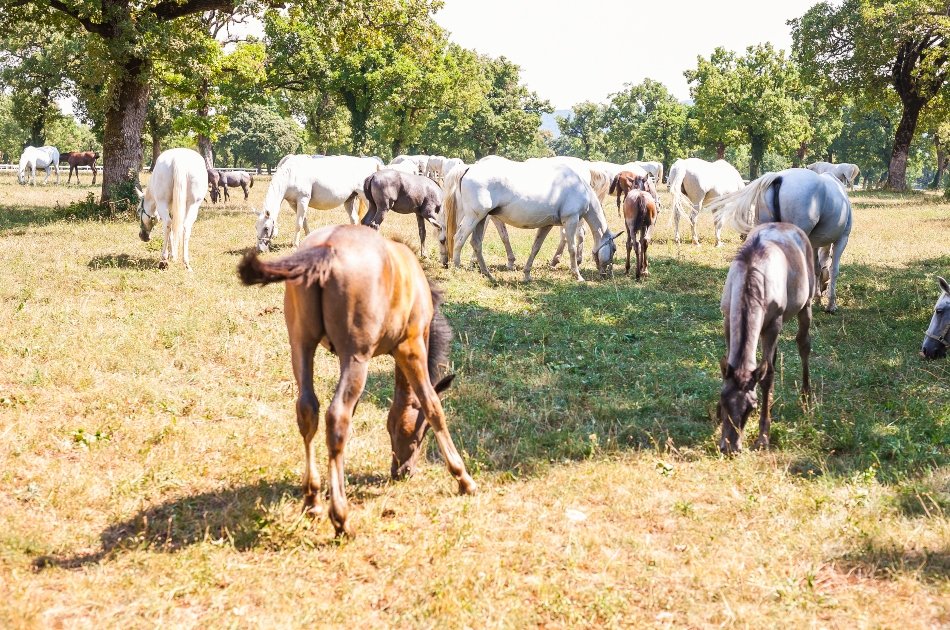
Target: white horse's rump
{"type": "Point", "coordinates": [45, 158]}
{"type": "Point", "coordinates": [419, 161]}
{"type": "Point", "coordinates": [174, 194]}
{"type": "Point", "coordinates": [843, 172]}
{"type": "Point", "coordinates": [694, 182]}
{"type": "Point", "coordinates": [653, 168]}
{"type": "Point", "coordinates": [322, 184]}
{"type": "Point", "coordinates": [818, 204]}
{"type": "Point", "coordinates": [530, 195]}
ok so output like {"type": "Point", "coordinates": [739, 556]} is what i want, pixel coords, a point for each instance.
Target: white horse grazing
{"type": "Point", "coordinates": [818, 204]}
{"type": "Point", "coordinates": [322, 184]}
{"type": "Point", "coordinates": [177, 188]}
{"type": "Point", "coordinates": [45, 158]}
{"type": "Point", "coordinates": [420, 162]}
{"type": "Point", "coordinates": [404, 167]}
{"type": "Point", "coordinates": [694, 182]}
{"type": "Point", "coordinates": [844, 172]}
{"type": "Point", "coordinates": [653, 168]}
{"type": "Point", "coordinates": [530, 195]}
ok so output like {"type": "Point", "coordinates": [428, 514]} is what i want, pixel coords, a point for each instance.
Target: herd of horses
{"type": "Point", "coordinates": [48, 158]}
{"type": "Point", "coordinates": [361, 295]}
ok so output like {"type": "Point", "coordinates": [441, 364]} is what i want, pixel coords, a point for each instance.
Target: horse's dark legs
{"type": "Point", "coordinates": [630, 238]}
{"type": "Point", "coordinates": [411, 359]}
{"type": "Point", "coordinates": [348, 391]}
{"type": "Point", "coordinates": [645, 244]}
{"type": "Point", "coordinates": [638, 247]}
{"type": "Point", "coordinates": [803, 339]}
{"type": "Point", "coordinates": [308, 414]}
{"type": "Point", "coordinates": [94, 173]}
{"type": "Point", "coordinates": [227, 195]}
{"type": "Point", "coordinates": [422, 234]}
{"type": "Point", "coordinates": [244, 188]}
{"type": "Point", "coordinates": [406, 426]}
{"type": "Point", "coordinates": [769, 353]}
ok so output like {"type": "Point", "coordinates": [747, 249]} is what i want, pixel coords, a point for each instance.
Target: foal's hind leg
{"type": "Point", "coordinates": [769, 353]}
{"type": "Point", "coordinates": [411, 359]}
{"type": "Point", "coordinates": [302, 348]}
{"type": "Point", "coordinates": [803, 339]}
{"type": "Point", "coordinates": [348, 391]}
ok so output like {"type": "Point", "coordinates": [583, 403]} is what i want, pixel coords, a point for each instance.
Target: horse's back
{"type": "Point", "coordinates": [174, 165]}
{"type": "Point", "coordinates": [526, 193]}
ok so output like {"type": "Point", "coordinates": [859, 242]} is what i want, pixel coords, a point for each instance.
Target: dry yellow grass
{"type": "Point", "coordinates": [150, 458]}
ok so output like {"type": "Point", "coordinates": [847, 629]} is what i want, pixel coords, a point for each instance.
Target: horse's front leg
{"type": "Point", "coordinates": [302, 205]}
{"type": "Point", "coordinates": [503, 233]}
{"type": "Point", "coordinates": [769, 353]}
{"type": "Point", "coordinates": [560, 249]}
{"type": "Point", "coordinates": [166, 245]}
{"type": "Point", "coordinates": [571, 227]}
{"type": "Point", "coordinates": [535, 248]}
{"type": "Point", "coordinates": [478, 235]}
{"type": "Point", "coordinates": [190, 217]}
{"type": "Point", "coordinates": [465, 229]}
{"type": "Point", "coordinates": [422, 235]}
{"type": "Point", "coordinates": [244, 188]}
{"type": "Point", "coordinates": [694, 219]}
{"type": "Point", "coordinates": [348, 391]}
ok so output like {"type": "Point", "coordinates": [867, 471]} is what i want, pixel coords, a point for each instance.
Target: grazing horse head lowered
{"type": "Point", "coordinates": [937, 337]}
{"type": "Point", "coordinates": [361, 295]}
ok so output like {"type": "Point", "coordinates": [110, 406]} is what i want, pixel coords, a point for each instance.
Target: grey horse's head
{"type": "Point", "coordinates": [937, 337]}
{"type": "Point", "coordinates": [266, 230]}
{"type": "Point", "coordinates": [147, 221]}
{"type": "Point", "coordinates": [604, 253]}
{"type": "Point", "coordinates": [737, 400]}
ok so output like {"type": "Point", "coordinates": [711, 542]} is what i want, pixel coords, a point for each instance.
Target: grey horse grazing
{"type": "Point", "coordinates": [937, 337]}
{"type": "Point", "coordinates": [770, 281]}
{"type": "Point", "coordinates": [818, 204]}
{"type": "Point", "coordinates": [391, 189]}
{"type": "Point", "coordinates": [222, 180]}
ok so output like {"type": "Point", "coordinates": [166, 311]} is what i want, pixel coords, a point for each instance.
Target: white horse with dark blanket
{"type": "Point", "coordinates": [44, 158]}
{"type": "Point", "coordinates": [529, 195]}
{"type": "Point", "coordinates": [323, 184]}
{"type": "Point", "coordinates": [818, 204]}
{"type": "Point", "coordinates": [693, 182]}
{"type": "Point", "coordinates": [174, 194]}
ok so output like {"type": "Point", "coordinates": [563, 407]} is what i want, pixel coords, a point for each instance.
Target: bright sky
{"type": "Point", "coordinates": [577, 51]}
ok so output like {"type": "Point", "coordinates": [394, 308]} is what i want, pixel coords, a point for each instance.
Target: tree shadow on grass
{"type": "Point", "coordinates": [615, 365]}
{"type": "Point", "coordinates": [18, 219]}
{"type": "Point", "coordinates": [122, 261]}
{"type": "Point", "coordinates": [889, 562]}
{"type": "Point", "coordinates": [248, 517]}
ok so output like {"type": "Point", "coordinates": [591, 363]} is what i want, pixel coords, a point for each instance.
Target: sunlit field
{"type": "Point", "coordinates": [151, 461]}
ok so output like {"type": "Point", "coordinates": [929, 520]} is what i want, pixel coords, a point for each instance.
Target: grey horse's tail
{"type": "Point", "coordinates": [251, 183]}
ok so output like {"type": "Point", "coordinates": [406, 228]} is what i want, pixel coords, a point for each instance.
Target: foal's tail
{"type": "Point", "coordinates": [440, 342]}
{"type": "Point", "coordinates": [305, 266]}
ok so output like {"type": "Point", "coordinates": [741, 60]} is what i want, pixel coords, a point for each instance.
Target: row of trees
{"type": "Point", "coordinates": [866, 82]}
{"type": "Point", "coordinates": [358, 76]}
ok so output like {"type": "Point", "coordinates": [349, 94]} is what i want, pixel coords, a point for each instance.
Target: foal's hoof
{"type": "Point", "coordinates": [510, 266]}
{"type": "Point", "coordinates": [163, 264]}
{"type": "Point", "coordinates": [761, 443]}
{"type": "Point", "coordinates": [467, 485]}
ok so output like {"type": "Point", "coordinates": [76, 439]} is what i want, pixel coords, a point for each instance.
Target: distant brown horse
{"type": "Point", "coordinates": [361, 295]}
{"type": "Point", "coordinates": [75, 159]}
{"type": "Point", "coordinates": [639, 213]}
{"type": "Point", "coordinates": [625, 181]}
{"type": "Point", "coordinates": [771, 280]}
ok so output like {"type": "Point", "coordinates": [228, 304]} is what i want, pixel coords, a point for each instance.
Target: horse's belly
{"type": "Point", "coordinates": [528, 217]}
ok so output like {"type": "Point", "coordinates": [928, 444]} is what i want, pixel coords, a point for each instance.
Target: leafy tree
{"type": "Point", "coordinates": [866, 138]}
{"type": "Point", "coordinates": [624, 115]}
{"type": "Point", "coordinates": [868, 47]}
{"type": "Point", "coordinates": [664, 130]}
{"type": "Point", "coordinates": [582, 133]}
{"type": "Point", "coordinates": [126, 37]}
{"type": "Point", "coordinates": [13, 137]}
{"type": "Point", "coordinates": [753, 97]}
{"type": "Point", "coordinates": [261, 135]}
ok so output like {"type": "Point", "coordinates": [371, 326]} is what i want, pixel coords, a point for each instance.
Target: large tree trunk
{"type": "Point", "coordinates": [720, 151]}
{"type": "Point", "coordinates": [941, 161]}
{"type": "Point", "coordinates": [897, 171]}
{"type": "Point", "coordinates": [125, 121]}
{"type": "Point", "coordinates": [204, 112]}
{"type": "Point", "coordinates": [756, 153]}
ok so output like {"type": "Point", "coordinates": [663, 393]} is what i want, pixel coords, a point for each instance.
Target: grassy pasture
{"type": "Point", "coordinates": [150, 457]}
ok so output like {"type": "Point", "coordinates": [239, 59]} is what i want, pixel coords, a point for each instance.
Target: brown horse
{"type": "Point", "coordinates": [639, 213]}
{"type": "Point", "coordinates": [361, 295]}
{"type": "Point", "coordinates": [75, 159]}
{"type": "Point", "coordinates": [623, 183]}
{"type": "Point", "coordinates": [770, 281]}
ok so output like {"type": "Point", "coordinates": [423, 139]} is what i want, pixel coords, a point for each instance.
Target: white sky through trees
{"type": "Point", "coordinates": [578, 51]}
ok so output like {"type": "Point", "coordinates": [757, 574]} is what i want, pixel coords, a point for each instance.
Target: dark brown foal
{"type": "Point", "coordinates": [623, 183]}
{"type": "Point", "coordinates": [361, 295]}
{"type": "Point", "coordinates": [639, 213]}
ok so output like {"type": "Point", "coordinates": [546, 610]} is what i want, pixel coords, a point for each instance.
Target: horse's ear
{"type": "Point", "coordinates": [944, 285]}
{"type": "Point", "coordinates": [725, 368]}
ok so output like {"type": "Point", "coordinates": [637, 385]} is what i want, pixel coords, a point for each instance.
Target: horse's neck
{"type": "Point", "coordinates": [745, 325]}
{"type": "Point", "coordinates": [597, 222]}
{"type": "Point", "coordinates": [275, 194]}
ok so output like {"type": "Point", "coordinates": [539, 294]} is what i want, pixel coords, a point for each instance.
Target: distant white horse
{"type": "Point", "coordinates": [530, 195]}
{"type": "Point", "coordinates": [322, 184]}
{"type": "Point", "coordinates": [844, 172]}
{"type": "Point", "coordinates": [404, 167]}
{"type": "Point", "coordinates": [45, 158]}
{"type": "Point", "coordinates": [694, 182]}
{"type": "Point", "coordinates": [175, 191]}
{"type": "Point", "coordinates": [653, 168]}
{"type": "Point", "coordinates": [421, 162]}
{"type": "Point", "coordinates": [818, 204]}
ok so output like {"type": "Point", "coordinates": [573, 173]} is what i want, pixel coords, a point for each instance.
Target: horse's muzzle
{"type": "Point", "coordinates": [263, 247]}
{"type": "Point", "coordinates": [145, 236]}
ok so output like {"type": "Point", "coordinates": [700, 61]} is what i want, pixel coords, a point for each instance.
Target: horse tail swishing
{"type": "Point", "coordinates": [738, 210]}
{"type": "Point", "coordinates": [451, 186]}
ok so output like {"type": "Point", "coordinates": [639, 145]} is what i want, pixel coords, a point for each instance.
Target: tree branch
{"type": "Point", "coordinates": [104, 30]}
{"type": "Point", "coordinates": [170, 9]}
